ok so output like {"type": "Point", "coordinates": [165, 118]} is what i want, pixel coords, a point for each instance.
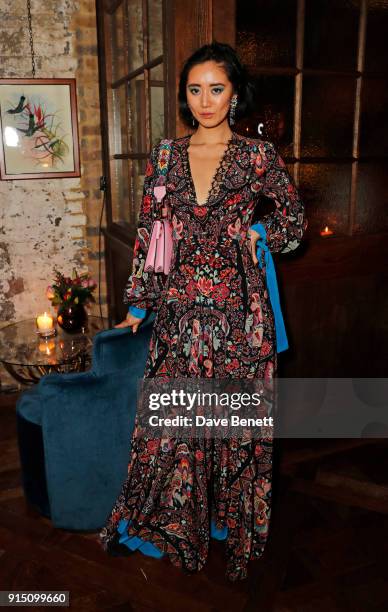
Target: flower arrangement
{"type": "Point", "coordinates": [66, 291]}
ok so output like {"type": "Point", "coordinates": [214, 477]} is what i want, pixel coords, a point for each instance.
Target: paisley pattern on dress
{"type": "Point", "coordinates": [213, 320]}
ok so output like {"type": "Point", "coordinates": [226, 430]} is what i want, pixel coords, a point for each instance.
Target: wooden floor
{"type": "Point", "coordinates": [327, 550]}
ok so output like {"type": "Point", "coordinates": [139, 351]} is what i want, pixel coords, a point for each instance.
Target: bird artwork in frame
{"type": "Point", "coordinates": [39, 129]}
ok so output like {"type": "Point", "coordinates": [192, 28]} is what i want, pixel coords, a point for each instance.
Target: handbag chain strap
{"type": "Point", "coordinates": [164, 154]}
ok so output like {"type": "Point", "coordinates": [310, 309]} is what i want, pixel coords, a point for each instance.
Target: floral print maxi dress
{"type": "Point", "coordinates": [214, 319]}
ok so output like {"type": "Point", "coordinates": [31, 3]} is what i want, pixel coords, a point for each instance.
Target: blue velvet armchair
{"type": "Point", "coordinates": [74, 431]}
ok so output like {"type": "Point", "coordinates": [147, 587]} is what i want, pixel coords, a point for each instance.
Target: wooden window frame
{"type": "Point", "coordinates": [104, 10]}
{"type": "Point", "coordinates": [299, 72]}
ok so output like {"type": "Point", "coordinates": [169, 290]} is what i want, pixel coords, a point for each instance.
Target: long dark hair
{"type": "Point", "coordinates": [224, 54]}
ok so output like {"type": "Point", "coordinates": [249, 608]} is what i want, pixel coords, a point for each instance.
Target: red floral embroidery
{"type": "Point", "coordinates": [147, 204]}
{"type": "Point", "coordinates": [173, 293]}
{"type": "Point", "coordinates": [200, 211]}
{"type": "Point", "coordinates": [205, 285]}
{"type": "Point", "coordinates": [149, 168]}
{"type": "Point", "coordinates": [153, 445]}
{"type": "Point", "coordinates": [220, 292]}
{"type": "Point", "coordinates": [234, 200]}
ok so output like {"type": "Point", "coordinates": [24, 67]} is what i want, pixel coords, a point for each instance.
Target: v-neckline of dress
{"type": "Point", "coordinates": [218, 175]}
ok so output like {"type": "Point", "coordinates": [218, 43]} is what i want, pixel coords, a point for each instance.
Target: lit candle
{"type": "Point", "coordinates": [45, 324]}
{"type": "Point", "coordinates": [326, 232]}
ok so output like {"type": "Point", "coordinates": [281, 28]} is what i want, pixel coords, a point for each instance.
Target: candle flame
{"type": "Point", "coordinates": [326, 231]}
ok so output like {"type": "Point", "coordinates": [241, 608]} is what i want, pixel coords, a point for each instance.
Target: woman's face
{"type": "Point", "coordinates": [209, 92]}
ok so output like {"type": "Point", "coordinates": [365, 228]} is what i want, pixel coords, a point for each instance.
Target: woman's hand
{"type": "Point", "coordinates": [253, 236]}
{"type": "Point", "coordinates": [130, 321]}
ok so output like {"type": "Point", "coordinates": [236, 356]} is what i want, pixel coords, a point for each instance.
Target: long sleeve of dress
{"type": "Point", "coordinates": [286, 225]}
{"type": "Point", "coordinates": [143, 289]}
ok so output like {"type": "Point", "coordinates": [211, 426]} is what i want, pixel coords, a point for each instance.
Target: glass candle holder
{"type": "Point", "coordinates": [45, 325]}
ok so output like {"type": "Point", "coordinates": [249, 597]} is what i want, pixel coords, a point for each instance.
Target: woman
{"type": "Point", "coordinates": [214, 320]}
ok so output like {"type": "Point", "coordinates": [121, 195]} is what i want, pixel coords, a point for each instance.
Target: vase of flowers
{"type": "Point", "coordinates": [69, 295]}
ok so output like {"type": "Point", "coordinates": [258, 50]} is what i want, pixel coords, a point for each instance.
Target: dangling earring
{"type": "Point", "coordinates": [193, 122]}
{"type": "Point", "coordinates": [232, 109]}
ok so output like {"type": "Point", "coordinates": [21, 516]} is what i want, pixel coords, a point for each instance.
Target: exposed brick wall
{"type": "Point", "coordinates": [51, 221]}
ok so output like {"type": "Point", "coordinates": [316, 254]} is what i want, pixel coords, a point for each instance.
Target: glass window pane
{"type": "Point", "coordinates": [138, 175]}
{"type": "Point", "coordinates": [157, 102]}
{"type": "Point", "coordinates": [127, 190]}
{"type": "Point", "coordinates": [372, 197]}
{"type": "Point", "coordinates": [273, 116]}
{"type": "Point", "coordinates": [155, 30]}
{"type": "Point", "coordinates": [331, 34]}
{"type": "Point", "coordinates": [325, 190]}
{"type": "Point", "coordinates": [374, 117]}
{"type": "Point", "coordinates": [120, 191]}
{"type": "Point", "coordinates": [135, 34]}
{"type": "Point", "coordinates": [118, 42]}
{"type": "Point", "coordinates": [136, 115]}
{"type": "Point", "coordinates": [376, 56]}
{"type": "Point", "coordinates": [265, 32]}
{"type": "Point", "coordinates": [119, 128]}
{"type": "Point", "coordinates": [327, 116]}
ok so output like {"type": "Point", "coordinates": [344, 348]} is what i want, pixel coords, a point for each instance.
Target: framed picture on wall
{"type": "Point", "coordinates": [39, 129]}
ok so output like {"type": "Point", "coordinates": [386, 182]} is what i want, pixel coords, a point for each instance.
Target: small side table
{"type": "Point", "coordinates": [27, 356]}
